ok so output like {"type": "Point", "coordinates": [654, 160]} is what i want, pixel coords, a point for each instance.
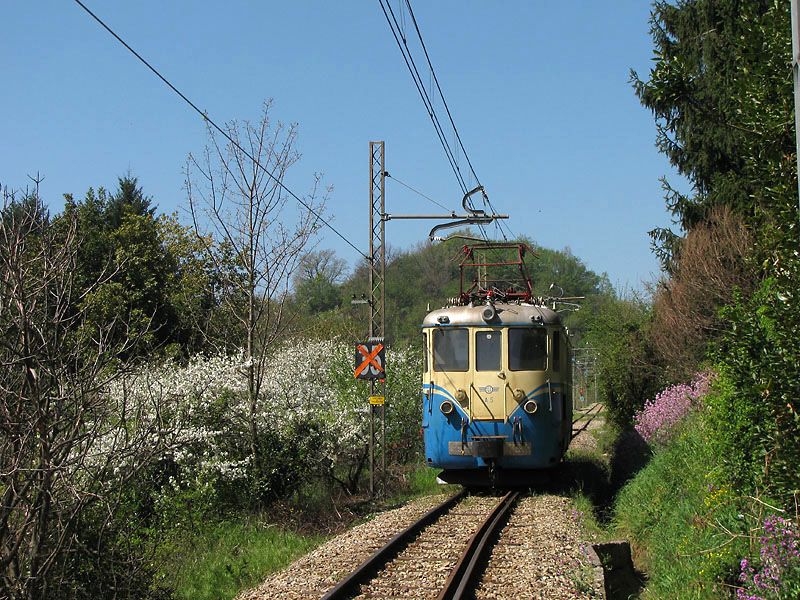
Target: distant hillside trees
{"type": "Point", "coordinates": [428, 275]}
{"type": "Point", "coordinates": [317, 279]}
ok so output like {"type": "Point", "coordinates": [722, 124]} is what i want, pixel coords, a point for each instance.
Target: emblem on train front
{"type": "Point", "coordinates": [489, 389]}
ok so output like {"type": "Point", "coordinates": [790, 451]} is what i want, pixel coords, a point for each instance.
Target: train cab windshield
{"type": "Point", "coordinates": [488, 351]}
{"type": "Point", "coordinates": [451, 349]}
{"type": "Point", "coordinates": [527, 349]}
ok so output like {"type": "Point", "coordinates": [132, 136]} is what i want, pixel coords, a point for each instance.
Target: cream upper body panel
{"type": "Point", "coordinates": [489, 392]}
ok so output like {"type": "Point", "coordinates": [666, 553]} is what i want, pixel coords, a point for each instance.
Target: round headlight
{"type": "Point", "coordinates": [530, 407]}
{"type": "Point", "coordinates": [446, 407]}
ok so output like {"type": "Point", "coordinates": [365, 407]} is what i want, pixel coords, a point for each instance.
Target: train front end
{"type": "Point", "coordinates": [496, 392]}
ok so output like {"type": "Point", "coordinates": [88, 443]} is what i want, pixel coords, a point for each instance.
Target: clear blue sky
{"type": "Point", "coordinates": [539, 91]}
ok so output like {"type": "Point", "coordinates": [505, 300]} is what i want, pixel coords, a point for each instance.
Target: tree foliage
{"type": "Point", "coordinates": [316, 281]}
{"type": "Point", "coordinates": [66, 451]}
{"type": "Point", "coordinates": [714, 264]}
{"type": "Point", "coordinates": [123, 265]}
{"type": "Point", "coordinates": [628, 371]}
{"type": "Point", "coordinates": [721, 92]}
{"type": "Point", "coordinates": [238, 201]}
{"type": "Point", "coordinates": [427, 275]}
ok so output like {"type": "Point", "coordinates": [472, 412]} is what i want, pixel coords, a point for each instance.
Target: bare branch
{"type": "Point", "coordinates": [255, 251]}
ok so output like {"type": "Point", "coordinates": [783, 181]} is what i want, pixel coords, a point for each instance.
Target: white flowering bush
{"type": "Point", "coordinates": [312, 419]}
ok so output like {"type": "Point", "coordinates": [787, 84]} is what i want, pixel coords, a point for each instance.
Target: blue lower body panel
{"type": "Point", "coordinates": [452, 441]}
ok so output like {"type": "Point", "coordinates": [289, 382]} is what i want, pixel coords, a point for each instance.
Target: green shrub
{"type": "Point", "coordinates": [756, 413]}
{"type": "Point", "coordinates": [739, 439]}
{"type": "Point", "coordinates": [626, 363]}
{"type": "Point", "coordinates": [289, 456]}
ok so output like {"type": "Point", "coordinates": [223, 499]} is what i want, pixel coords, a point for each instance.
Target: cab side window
{"type": "Point", "coordinates": [556, 351]}
{"type": "Point", "coordinates": [424, 352]}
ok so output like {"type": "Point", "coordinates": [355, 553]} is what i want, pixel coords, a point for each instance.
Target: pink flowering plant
{"type": "Point", "coordinates": [777, 574]}
{"type": "Point", "coordinates": [656, 422]}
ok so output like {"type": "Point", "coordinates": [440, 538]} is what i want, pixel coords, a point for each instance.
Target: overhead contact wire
{"type": "Point", "coordinates": [486, 199]}
{"type": "Point", "coordinates": [222, 132]}
{"type": "Point", "coordinates": [426, 100]}
{"type": "Point", "coordinates": [439, 88]}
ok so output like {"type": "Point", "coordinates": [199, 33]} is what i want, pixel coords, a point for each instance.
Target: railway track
{"type": "Point", "coordinates": [590, 414]}
{"type": "Point", "coordinates": [439, 556]}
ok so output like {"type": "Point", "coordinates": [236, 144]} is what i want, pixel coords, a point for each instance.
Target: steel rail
{"type": "Point", "coordinates": [588, 409]}
{"type": "Point", "coordinates": [366, 570]}
{"type": "Point", "coordinates": [464, 574]}
{"type": "Point", "coordinates": [588, 413]}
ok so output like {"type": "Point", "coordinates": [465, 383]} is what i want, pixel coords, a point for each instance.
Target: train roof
{"type": "Point", "coordinates": [507, 314]}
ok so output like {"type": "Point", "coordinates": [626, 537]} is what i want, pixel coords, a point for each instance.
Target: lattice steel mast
{"type": "Point", "coordinates": [377, 290]}
{"type": "Point", "coordinates": [377, 308]}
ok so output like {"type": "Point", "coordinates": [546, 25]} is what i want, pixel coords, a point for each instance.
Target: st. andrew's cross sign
{"type": "Point", "coordinates": [370, 361]}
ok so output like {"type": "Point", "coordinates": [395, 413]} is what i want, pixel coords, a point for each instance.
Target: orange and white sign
{"type": "Point", "coordinates": [370, 361]}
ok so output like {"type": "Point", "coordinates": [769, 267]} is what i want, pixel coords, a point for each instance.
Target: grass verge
{"type": "Point", "coordinates": [682, 526]}
{"type": "Point", "coordinates": [416, 481]}
{"type": "Point", "coordinates": [219, 560]}
{"type": "Point", "coordinates": [225, 558]}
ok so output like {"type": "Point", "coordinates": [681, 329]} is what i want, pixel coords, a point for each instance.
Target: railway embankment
{"type": "Point", "coordinates": [694, 533]}
{"type": "Point", "coordinates": [687, 532]}
{"type": "Point", "coordinates": [546, 548]}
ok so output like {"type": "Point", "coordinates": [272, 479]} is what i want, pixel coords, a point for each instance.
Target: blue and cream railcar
{"type": "Point", "coordinates": [496, 391]}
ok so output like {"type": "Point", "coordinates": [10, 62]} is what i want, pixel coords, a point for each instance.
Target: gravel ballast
{"type": "Point", "coordinates": [316, 572]}
{"type": "Point", "coordinates": [541, 553]}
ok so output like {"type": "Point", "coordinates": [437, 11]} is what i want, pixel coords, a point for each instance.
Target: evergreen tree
{"type": "Point", "coordinates": [128, 199]}
{"type": "Point", "coordinates": [721, 94]}
{"type": "Point", "coordinates": [123, 266]}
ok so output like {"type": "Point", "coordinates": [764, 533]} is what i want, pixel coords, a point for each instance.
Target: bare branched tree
{"type": "Point", "coordinates": [67, 448]}
{"type": "Point", "coordinates": [320, 264]}
{"type": "Point", "coordinates": [236, 195]}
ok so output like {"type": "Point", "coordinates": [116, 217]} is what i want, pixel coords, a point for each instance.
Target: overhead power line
{"type": "Point", "coordinates": [441, 93]}
{"type": "Point", "coordinates": [402, 44]}
{"type": "Point", "coordinates": [219, 129]}
{"type": "Point", "coordinates": [398, 31]}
